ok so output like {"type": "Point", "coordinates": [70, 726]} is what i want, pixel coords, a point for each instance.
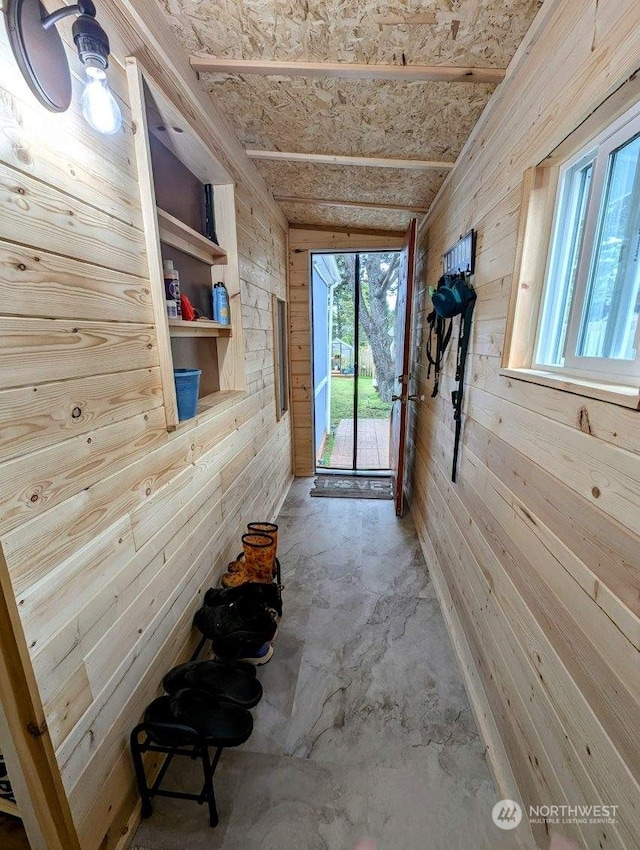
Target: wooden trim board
{"type": "Point", "coordinates": [152, 238]}
{"type": "Point", "coordinates": [351, 231]}
{"type": "Point", "coordinates": [358, 161]}
{"type": "Point", "coordinates": [9, 808]}
{"type": "Point", "coordinates": [27, 726]}
{"type": "Point", "coordinates": [349, 70]}
{"type": "Point", "coordinates": [625, 396]}
{"type": "Point", "coordinates": [367, 205]}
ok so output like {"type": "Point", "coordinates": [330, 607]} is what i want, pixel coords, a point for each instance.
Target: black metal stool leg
{"type": "Point", "coordinates": [278, 574]}
{"type": "Point", "coordinates": [140, 774]}
{"type": "Point", "coordinates": [208, 787]}
{"type": "Point", "coordinates": [199, 649]}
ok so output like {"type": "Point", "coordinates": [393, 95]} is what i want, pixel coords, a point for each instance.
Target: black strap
{"type": "Point", "coordinates": [439, 329]}
{"type": "Point", "coordinates": [456, 395]}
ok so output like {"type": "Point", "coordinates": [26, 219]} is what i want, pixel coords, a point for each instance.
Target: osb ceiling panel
{"type": "Point", "coordinates": [352, 117]}
{"type": "Point", "coordinates": [445, 32]}
{"type": "Point", "coordinates": [345, 183]}
{"type": "Point", "coordinates": [347, 217]}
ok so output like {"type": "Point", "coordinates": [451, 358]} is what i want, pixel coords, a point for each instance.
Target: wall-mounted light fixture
{"type": "Point", "coordinates": [42, 58]}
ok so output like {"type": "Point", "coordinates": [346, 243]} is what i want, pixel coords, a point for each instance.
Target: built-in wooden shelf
{"type": "Point", "coordinates": [179, 235]}
{"type": "Point", "coordinates": [186, 167]}
{"type": "Point", "coordinates": [202, 327]}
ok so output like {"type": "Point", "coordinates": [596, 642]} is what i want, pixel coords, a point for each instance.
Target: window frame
{"type": "Point", "coordinates": [281, 355]}
{"type": "Point", "coordinates": [598, 153]}
{"type": "Point", "coordinates": [540, 190]}
{"type": "Point", "coordinates": [559, 255]}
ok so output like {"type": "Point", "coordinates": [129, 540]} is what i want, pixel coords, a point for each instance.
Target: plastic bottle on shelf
{"type": "Point", "coordinates": [221, 311]}
{"type": "Point", "coordinates": [172, 288]}
{"type": "Point", "coordinates": [214, 301]}
{"type": "Point", "coordinates": [225, 312]}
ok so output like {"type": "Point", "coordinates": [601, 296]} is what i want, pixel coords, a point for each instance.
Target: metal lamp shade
{"type": "Point", "coordinates": [40, 53]}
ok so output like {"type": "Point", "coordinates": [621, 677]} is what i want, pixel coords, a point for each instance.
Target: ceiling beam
{"type": "Point", "coordinates": [367, 205]}
{"type": "Point", "coordinates": [366, 161]}
{"type": "Point", "coordinates": [350, 71]}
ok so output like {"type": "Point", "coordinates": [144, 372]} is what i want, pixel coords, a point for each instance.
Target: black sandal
{"type": "Point", "coordinates": [232, 682]}
{"type": "Point", "coordinates": [190, 714]}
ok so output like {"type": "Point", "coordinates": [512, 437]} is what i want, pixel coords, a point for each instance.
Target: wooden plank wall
{"type": "Point", "coordinates": [302, 241]}
{"type": "Point", "coordinates": [111, 527]}
{"type": "Point", "coordinates": [538, 541]}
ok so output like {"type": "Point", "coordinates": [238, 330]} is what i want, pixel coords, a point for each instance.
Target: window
{"type": "Point", "coordinates": [588, 324]}
{"type": "Point", "coordinates": [281, 356]}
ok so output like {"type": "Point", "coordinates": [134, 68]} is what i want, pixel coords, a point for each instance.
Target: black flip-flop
{"type": "Point", "coordinates": [226, 725]}
{"type": "Point", "coordinates": [163, 728]}
{"type": "Point", "coordinates": [231, 682]}
{"type": "Point", "coordinates": [179, 719]}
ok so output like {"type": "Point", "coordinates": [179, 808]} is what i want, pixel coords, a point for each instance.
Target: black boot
{"type": "Point", "coordinates": [267, 594]}
{"type": "Point", "coordinates": [237, 630]}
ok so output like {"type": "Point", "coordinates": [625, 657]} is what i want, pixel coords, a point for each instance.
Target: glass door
{"type": "Point", "coordinates": [353, 296]}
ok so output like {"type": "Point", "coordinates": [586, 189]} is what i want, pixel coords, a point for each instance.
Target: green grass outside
{"type": "Point", "coordinates": [370, 406]}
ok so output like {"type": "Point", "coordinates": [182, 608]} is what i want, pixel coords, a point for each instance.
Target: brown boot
{"type": "Point", "coordinates": [233, 579]}
{"type": "Point", "coordinates": [257, 564]}
{"type": "Point", "coordinates": [259, 552]}
{"type": "Point", "coordinates": [271, 529]}
{"type": "Point", "coordinates": [235, 574]}
{"type": "Point", "coordinates": [268, 528]}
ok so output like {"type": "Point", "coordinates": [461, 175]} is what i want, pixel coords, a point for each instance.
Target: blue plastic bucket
{"type": "Point", "coordinates": [187, 388]}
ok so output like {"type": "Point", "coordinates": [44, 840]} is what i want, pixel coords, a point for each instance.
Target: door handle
{"type": "Point", "coordinates": [405, 398]}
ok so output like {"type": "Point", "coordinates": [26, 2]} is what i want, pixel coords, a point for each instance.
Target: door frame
{"type": "Point", "coordinates": [353, 471]}
{"type": "Point", "coordinates": [398, 450]}
{"type": "Point", "coordinates": [303, 239]}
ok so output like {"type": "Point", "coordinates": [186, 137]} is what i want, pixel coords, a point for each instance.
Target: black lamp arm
{"type": "Point", "coordinates": [84, 7]}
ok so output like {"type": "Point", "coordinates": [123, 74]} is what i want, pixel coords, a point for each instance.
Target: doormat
{"type": "Point", "coordinates": [352, 487]}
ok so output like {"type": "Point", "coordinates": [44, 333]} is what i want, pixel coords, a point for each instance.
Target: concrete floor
{"type": "Point", "coordinates": [365, 729]}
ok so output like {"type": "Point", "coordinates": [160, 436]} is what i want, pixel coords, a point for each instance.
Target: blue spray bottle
{"type": "Point", "coordinates": [221, 312]}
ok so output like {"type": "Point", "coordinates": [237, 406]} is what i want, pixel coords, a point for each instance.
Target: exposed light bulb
{"type": "Point", "coordinates": [99, 106]}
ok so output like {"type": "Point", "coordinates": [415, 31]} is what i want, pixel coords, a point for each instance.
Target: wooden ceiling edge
{"type": "Point", "coordinates": [357, 231]}
{"type": "Point", "coordinates": [373, 205]}
{"type": "Point", "coordinates": [141, 20]}
{"type": "Point", "coordinates": [536, 29]}
{"type": "Point", "coordinates": [531, 37]}
{"type": "Point", "coordinates": [348, 70]}
{"type": "Point", "coordinates": [360, 161]}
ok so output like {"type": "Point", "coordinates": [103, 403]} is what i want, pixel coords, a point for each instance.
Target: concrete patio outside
{"type": "Point", "coordinates": [373, 444]}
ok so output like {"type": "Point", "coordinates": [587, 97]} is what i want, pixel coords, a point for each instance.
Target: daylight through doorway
{"type": "Point", "coordinates": [353, 298]}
